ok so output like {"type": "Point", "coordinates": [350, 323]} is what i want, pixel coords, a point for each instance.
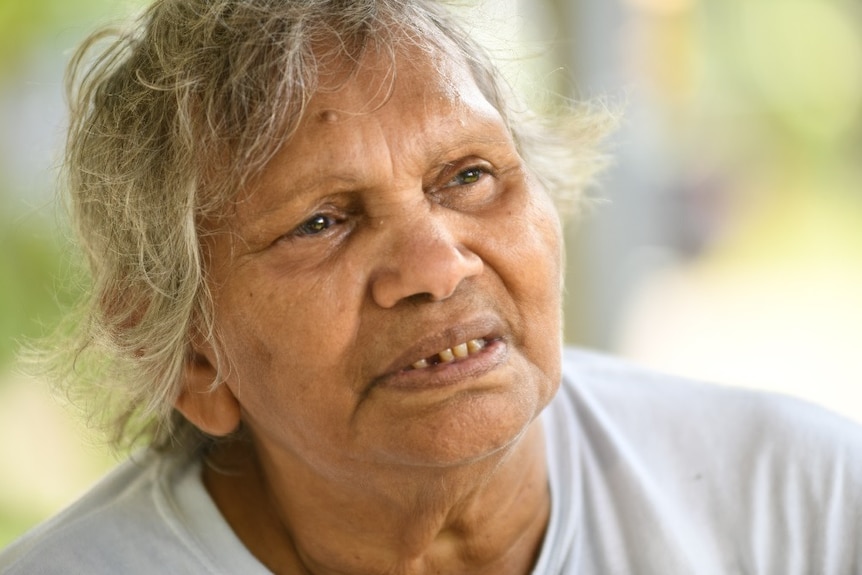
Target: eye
{"type": "Point", "coordinates": [467, 177]}
{"type": "Point", "coordinates": [316, 224]}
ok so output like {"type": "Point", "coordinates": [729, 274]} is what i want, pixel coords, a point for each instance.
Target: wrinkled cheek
{"type": "Point", "coordinates": [547, 288]}
{"type": "Point", "coordinates": [245, 329]}
{"type": "Point", "coordinates": [248, 362]}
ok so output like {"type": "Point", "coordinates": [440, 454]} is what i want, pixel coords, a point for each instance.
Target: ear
{"type": "Point", "coordinates": [214, 411]}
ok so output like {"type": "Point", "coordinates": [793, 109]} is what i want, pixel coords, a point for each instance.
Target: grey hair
{"type": "Point", "coordinates": [170, 119]}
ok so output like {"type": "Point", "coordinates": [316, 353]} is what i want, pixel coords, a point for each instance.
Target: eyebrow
{"type": "Point", "coordinates": [305, 183]}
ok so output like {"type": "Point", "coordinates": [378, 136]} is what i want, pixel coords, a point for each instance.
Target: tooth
{"type": "Point", "coordinates": [475, 345]}
{"type": "Point", "coordinates": [421, 364]}
{"type": "Point", "coordinates": [460, 350]}
{"type": "Point", "coordinates": [446, 356]}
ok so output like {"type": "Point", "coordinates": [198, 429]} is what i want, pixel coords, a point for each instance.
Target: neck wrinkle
{"type": "Point", "coordinates": [492, 513]}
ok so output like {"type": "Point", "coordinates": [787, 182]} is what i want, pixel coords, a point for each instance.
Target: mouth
{"type": "Point", "coordinates": [455, 355]}
{"type": "Point", "coordinates": [450, 354]}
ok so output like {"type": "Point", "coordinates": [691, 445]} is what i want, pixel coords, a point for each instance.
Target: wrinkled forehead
{"type": "Point", "coordinates": [403, 89]}
{"type": "Point", "coordinates": [392, 76]}
{"type": "Point", "coordinates": [423, 108]}
{"type": "Point", "coordinates": [421, 76]}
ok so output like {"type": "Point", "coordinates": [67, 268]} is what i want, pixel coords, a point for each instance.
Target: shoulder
{"type": "Point", "coordinates": [122, 525]}
{"type": "Point", "coordinates": [629, 396]}
{"type": "Point", "coordinates": [736, 474]}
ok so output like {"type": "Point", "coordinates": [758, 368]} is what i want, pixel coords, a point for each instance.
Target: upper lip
{"type": "Point", "coordinates": [485, 327]}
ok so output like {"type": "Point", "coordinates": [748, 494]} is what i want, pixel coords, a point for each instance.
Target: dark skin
{"type": "Point", "coordinates": [393, 229]}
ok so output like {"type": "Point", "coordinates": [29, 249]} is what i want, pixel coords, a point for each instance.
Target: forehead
{"type": "Point", "coordinates": [419, 103]}
{"type": "Point", "coordinates": [407, 82]}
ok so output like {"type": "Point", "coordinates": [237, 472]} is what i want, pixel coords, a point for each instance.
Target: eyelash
{"type": "Point", "coordinates": [305, 229]}
{"type": "Point", "coordinates": [477, 172]}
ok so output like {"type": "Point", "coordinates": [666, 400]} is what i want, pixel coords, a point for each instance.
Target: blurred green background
{"type": "Point", "coordinates": [729, 248]}
{"type": "Point", "coordinates": [46, 456]}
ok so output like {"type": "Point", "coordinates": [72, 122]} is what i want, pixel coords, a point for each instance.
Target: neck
{"type": "Point", "coordinates": [485, 517]}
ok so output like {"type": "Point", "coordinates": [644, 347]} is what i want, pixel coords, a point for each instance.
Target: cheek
{"type": "Point", "coordinates": [280, 335]}
{"type": "Point", "coordinates": [527, 257]}
{"type": "Point", "coordinates": [289, 364]}
{"type": "Point", "coordinates": [534, 258]}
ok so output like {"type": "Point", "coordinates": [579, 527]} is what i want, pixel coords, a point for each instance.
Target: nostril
{"type": "Point", "coordinates": [424, 297]}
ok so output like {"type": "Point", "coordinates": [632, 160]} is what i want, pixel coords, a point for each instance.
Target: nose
{"type": "Point", "coordinates": [422, 258]}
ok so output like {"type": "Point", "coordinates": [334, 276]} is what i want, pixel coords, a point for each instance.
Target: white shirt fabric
{"type": "Point", "coordinates": [648, 475]}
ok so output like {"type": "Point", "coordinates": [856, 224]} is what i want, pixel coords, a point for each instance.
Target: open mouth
{"type": "Point", "coordinates": [451, 354]}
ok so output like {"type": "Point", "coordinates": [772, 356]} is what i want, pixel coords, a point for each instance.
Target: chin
{"type": "Point", "coordinates": [467, 430]}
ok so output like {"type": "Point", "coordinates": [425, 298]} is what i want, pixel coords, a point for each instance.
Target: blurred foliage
{"type": "Point", "coordinates": [32, 295]}
{"type": "Point", "coordinates": [757, 108]}
{"type": "Point", "coordinates": [12, 524]}
{"type": "Point", "coordinates": [23, 25]}
{"type": "Point", "coordinates": [45, 463]}
{"type": "Point", "coordinates": [32, 253]}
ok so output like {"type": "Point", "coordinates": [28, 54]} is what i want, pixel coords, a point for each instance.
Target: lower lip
{"type": "Point", "coordinates": [492, 356]}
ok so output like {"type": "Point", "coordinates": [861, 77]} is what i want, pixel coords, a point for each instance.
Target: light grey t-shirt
{"type": "Point", "coordinates": [649, 475]}
{"type": "Point", "coordinates": [655, 475]}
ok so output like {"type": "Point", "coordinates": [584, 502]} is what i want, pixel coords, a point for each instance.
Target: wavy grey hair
{"type": "Point", "coordinates": [169, 119]}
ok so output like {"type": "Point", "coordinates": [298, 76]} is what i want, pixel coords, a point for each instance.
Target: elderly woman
{"type": "Point", "coordinates": [326, 292]}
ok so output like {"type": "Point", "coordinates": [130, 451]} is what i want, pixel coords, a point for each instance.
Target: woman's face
{"type": "Point", "coordinates": [389, 291]}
